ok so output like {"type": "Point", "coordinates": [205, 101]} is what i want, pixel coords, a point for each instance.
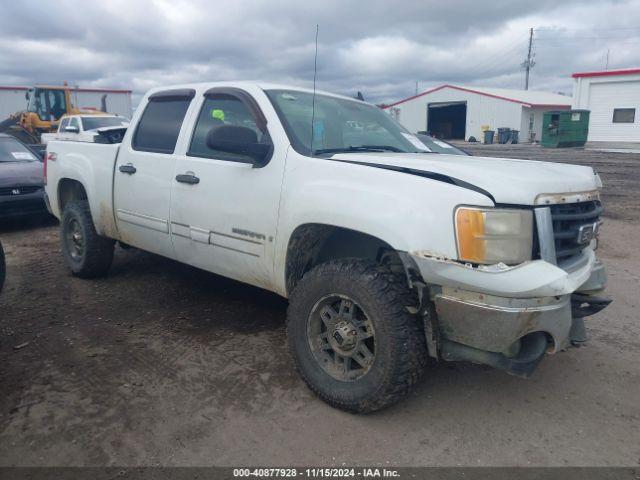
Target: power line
{"type": "Point", "coordinates": [561, 29]}
{"type": "Point", "coordinates": [559, 45]}
{"type": "Point", "coordinates": [498, 58]}
{"type": "Point", "coordinates": [564, 39]}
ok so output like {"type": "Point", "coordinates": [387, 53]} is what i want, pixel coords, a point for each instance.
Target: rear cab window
{"type": "Point", "coordinates": [161, 121]}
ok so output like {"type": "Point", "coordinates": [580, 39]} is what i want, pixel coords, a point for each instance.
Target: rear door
{"type": "Point", "coordinates": [226, 222]}
{"type": "Point", "coordinates": [144, 173]}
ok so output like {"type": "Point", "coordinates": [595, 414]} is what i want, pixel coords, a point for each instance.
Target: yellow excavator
{"type": "Point", "coordinates": [46, 104]}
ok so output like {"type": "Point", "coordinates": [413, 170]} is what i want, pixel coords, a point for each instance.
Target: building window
{"type": "Point", "coordinates": [624, 115]}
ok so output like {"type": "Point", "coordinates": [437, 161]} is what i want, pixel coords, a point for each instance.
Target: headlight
{"type": "Point", "coordinates": [494, 235]}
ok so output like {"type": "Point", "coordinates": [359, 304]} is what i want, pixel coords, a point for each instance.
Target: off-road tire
{"type": "Point", "coordinates": [97, 254]}
{"type": "Point", "coordinates": [3, 268]}
{"type": "Point", "coordinates": [401, 352]}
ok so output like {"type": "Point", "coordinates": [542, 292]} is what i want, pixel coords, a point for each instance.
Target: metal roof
{"type": "Point", "coordinates": [606, 73]}
{"type": "Point", "coordinates": [529, 98]}
{"type": "Point", "coordinates": [78, 89]}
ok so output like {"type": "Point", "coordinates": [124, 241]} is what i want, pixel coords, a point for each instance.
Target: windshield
{"type": "Point", "coordinates": [91, 123]}
{"type": "Point", "coordinates": [12, 150]}
{"type": "Point", "coordinates": [339, 125]}
{"type": "Point", "coordinates": [48, 104]}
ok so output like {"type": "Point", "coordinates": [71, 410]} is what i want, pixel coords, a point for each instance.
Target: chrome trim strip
{"type": "Point", "coordinates": [200, 235]}
{"type": "Point", "coordinates": [234, 249]}
{"type": "Point", "coordinates": [145, 221]}
{"type": "Point", "coordinates": [545, 235]}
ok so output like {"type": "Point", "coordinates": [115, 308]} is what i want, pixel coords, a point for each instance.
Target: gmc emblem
{"type": "Point", "coordinates": [588, 232]}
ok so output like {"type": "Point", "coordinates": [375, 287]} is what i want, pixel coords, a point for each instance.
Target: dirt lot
{"type": "Point", "coordinates": [163, 364]}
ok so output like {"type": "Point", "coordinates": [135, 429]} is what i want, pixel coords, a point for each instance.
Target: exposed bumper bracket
{"type": "Point", "coordinates": [533, 348]}
{"type": "Point", "coordinates": [586, 305]}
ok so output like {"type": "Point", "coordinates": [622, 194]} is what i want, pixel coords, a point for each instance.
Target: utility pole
{"type": "Point", "coordinates": [416, 88]}
{"type": "Point", "coordinates": [528, 63]}
{"type": "Point", "coordinates": [606, 67]}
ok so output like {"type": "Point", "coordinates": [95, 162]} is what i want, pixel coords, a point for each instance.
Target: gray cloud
{"type": "Point", "coordinates": [379, 47]}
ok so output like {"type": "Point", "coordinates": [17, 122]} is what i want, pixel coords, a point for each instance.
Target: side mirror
{"type": "Point", "coordinates": [72, 129]}
{"type": "Point", "coordinates": [240, 141]}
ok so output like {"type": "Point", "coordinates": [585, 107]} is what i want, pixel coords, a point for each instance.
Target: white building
{"type": "Point", "coordinates": [613, 97]}
{"type": "Point", "coordinates": [456, 112]}
{"type": "Point", "coordinates": [12, 100]}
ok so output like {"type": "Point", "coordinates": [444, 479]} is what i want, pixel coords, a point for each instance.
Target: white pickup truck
{"type": "Point", "coordinates": [95, 127]}
{"type": "Point", "coordinates": [387, 253]}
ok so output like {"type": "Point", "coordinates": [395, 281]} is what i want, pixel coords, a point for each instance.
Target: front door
{"type": "Point", "coordinates": [144, 173]}
{"type": "Point", "coordinates": [223, 209]}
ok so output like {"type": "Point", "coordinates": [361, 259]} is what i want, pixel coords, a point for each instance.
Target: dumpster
{"type": "Point", "coordinates": [565, 128]}
{"type": "Point", "coordinates": [504, 135]}
{"type": "Point", "coordinates": [488, 137]}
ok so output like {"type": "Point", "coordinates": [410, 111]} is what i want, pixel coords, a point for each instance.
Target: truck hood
{"type": "Point", "coordinates": [21, 174]}
{"type": "Point", "coordinates": [505, 180]}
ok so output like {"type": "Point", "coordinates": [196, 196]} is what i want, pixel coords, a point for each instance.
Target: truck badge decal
{"type": "Point", "coordinates": [248, 233]}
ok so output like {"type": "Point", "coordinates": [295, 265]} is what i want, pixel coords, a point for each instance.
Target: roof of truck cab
{"type": "Point", "coordinates": [245, 84]}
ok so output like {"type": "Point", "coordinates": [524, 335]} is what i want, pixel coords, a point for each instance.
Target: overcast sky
{"type": "Point", "coordinates": [378, 47]}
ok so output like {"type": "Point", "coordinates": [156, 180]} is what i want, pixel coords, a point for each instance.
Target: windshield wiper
{"type": "Point", "coordinates": [360, 148]}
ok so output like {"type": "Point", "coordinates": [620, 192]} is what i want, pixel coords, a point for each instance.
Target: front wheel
{"type": "Point", "coordinates": [352, 337]}
{"type": "Point", "coordinates": [88, 254]}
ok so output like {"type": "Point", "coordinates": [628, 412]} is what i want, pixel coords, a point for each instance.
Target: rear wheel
{"type": "Point", "coordinates": [88, 254]}
{"type": "Point", "coordinates": [3, 267]}
{"type": "Point", "coordinates": [352, 338]}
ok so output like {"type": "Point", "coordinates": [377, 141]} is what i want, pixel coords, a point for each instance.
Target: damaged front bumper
{"type": "Point", "coordinates": [508, 317]}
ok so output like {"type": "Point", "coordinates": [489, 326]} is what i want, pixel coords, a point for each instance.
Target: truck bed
{"type": "Point", "coordinates": [90, 164]}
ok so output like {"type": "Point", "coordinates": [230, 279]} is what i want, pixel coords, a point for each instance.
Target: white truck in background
{"type": "Point", "coordinates": [98, 128]}
{"type": "Point", "coordinates": [387, 253]}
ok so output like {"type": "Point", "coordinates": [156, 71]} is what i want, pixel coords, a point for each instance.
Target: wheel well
{"type": "Point", "coordinates": [313, 244]}
{"type": "Point", "coordinates": [69, 190]}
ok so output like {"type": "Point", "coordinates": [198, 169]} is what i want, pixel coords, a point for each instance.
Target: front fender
{"type": "Point", "coordinates": [406, 211]}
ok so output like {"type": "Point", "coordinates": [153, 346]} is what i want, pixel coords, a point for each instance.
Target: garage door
{"type": "Point", "coordinates": [603, 99]}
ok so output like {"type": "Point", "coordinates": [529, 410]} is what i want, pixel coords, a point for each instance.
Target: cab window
{"type": "Point", "coordinates": [48, 104]}
{"type": "Point", "coordinates": [160, 124]}
{"type": "Point", "coordinates": [223, 109]}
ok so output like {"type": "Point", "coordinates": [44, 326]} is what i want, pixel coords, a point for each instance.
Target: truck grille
{"type": "Point", "coordinates": [567, 220]}
{"type": "Point", "coordinates": [19, 190]}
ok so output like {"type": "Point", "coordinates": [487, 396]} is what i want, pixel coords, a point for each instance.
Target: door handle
{"type": "Point", "coordinates": [128, 168]}
{"type": "Point", "coordinates": [188, 178]}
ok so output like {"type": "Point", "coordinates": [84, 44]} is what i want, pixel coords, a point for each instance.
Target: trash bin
{"type": "Point", "coordinates": [565, 128]}
{"type": "Point", "coordinates": [504, 134]}
{"type": "Point", "coordinates": [488, 137]}
{"type": "Point", "coordinates": [514, 136]}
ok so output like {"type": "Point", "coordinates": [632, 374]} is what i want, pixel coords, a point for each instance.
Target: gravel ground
{"type": "Point", "coordinates": [163, 364]}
